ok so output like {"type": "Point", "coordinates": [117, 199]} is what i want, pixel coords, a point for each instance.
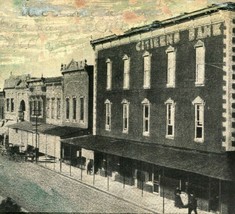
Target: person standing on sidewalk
{"type": "Point", "coordinates": [192, 205]}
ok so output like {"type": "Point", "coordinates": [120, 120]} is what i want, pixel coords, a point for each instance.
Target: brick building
{"type": "Point", "coordinates": [163, 105]}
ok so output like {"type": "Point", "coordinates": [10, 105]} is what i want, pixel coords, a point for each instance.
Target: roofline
{"type": "Point", "coordinates": [160, 24]}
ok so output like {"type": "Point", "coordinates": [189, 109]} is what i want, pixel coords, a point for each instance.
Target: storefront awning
{"type": "Point", "coordinates": [49, 129]}
{"type": "Point", "coordinates": [220, 166]}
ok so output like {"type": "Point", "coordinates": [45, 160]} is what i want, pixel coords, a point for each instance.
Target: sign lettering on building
{"type": "Point", "coordinates": [200, 32]}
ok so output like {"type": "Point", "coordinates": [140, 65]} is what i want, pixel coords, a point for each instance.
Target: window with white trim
{"type": "Point", "coordinates": [147, 69]}
{"type": "Point", "coordinates": [67, 108]}
{"type": "Point", "coordinates": [126, 77]}
{"type": "Point", "coordinates": [199, 119]}
{"type": "Point", "coordinates": [108, 115]}
{"type": "Point", "coordinates": [200, 63]}
{"type": "Point", "coordinates": [109, 74]}
{"type": "Point", "coordinates": [146, 117]}
{"type": "Point", "coordinates": [170, 118]}
{"type": "Point", "coordinates": [171, 66]}
{"type": "Point", "coordinates": [125, 116]}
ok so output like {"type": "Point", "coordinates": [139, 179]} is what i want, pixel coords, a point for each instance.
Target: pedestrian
{"type": "Point", "coordinates": [178, 202]}
{"type": "Point", "coordinates": [192, 205]}
{"type": "Point", "coordinates": [89, 167]}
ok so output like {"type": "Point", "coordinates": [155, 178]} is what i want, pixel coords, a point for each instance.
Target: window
{"type": "Point", "coordinates": [82, 108]}
{"type": "Point", "coordinates": [125, 109]}
{"type": "Point", "coordinates": [34, 107]}
{"type": "Point", "coordinates": [126, 77]}
{"type": "Point", "coordinates": [53, 108]}
{"type": "Point", "coordinates": [171, 65]}
{"type": "Point", "coordinates": [170, 118]}
{"type": "Point", "coordinates": [74, 108]}
{"type": "Point", "coordinates": [200, 64]}
{"type": "Point", "coordinates": [67, 108]}
{"type": "Point", "coordinates": [109, 74]}
{"type": "Point", "coordinates": [12, 104]}
{"type": "Point", "coordinates": [199, 119]}
{"type": "Point", "coordinates": [147, 69]}
{"type": "Point", "coordinates": [108, 115]}
{"type": "Point", "coordinates": [8, 104]}
{"type": "Point", "coordinates": [58, 107]}
{"type": "Point", "coordinates": [146, 117]}
{"type": "Point", "coordinates": [48, 107]}
{"type": "Point", "coordinates": [31, 107]}
{"type": "Point", "coordinates": [40, 103]}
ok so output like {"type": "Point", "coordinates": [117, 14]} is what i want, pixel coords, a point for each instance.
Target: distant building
{"type": "Point", "coordinates": [164, 105]}
{"type": "Point", "coordinates": [16, 98]}
{"type": "Point", "coordinates": [1, 105]}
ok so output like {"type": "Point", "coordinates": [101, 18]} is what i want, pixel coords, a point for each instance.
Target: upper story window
{"type": "Point", "coordinates": [200, 63]}
{"type": "Point", "coordinates": [146, 117]}
{"type": "Point", "coordinates": [125, 116]}
{"type": "Point", "coordinates": [108, 115]}
{"type": "Point", "coordinates": [109, 74]}
{"type": "Point", "coordinates": [53, 108]}
{"type": "Point", "coordinates": [12, 105]}
{"type": "Point", "coordinates": [82, 108]}
{"type": "Point", "coordinates": [126, 77]}
{"type": "Point", "coordinates": [199, 119]}
{"type": "Point", "coordinates": [67, 108]}
{"type": "Point", "coordinates": [74, 108]}
{"type": "Point", "coordinates": [36, 104]}
{"type": "Point", "coordinates": [170, 118]}
{"type": "Point", "coordinates": [147, 69]}
{"type": "Point", "coordinates": [8, 104]}
{"type": "Point", "coordinates": [48, 108]}
{"type": "Point", "coordinates": [58, 107]}
{"type": "Point", "coordinates": [171, 66]}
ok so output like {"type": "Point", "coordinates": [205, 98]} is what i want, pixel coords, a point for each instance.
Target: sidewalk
{"type": "Point", "coordinates": [146, 200]}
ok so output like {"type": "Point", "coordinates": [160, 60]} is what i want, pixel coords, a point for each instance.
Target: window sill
{"type": "Point", "coordinates": [171, 137]}
{"type": "Point", "coordinates": [146, 134]}
{"type": "Point", "coordinates": [126, 88]}
{"type": "Point", "coordinates": [146, 87]}
{"type": "Point", "coordinates": [199, 84]}
{"type": "Point", "coordinates": [108, 130]}
{"type": "Point", "coordinates": [108, 89]}
{"type": "Point", "coordinates": [198, 140]}
{"type": "Point", "coordinates": [170, 86]}
{"type": "Point", "coordinates": [125, 131]}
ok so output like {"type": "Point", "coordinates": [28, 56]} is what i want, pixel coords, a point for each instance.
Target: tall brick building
{"type": "Point", "coordinates": [164, 103]}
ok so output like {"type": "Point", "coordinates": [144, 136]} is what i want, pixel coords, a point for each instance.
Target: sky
{"type": "Point", "coordinates": [36, 36]}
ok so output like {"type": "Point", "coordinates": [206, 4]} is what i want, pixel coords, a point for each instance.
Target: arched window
{"type": "Point", "coordinates": [200, 63]}
{"type": "Point", "coordinates": [125, 116]}
{"type": "Point", "coordinates": [147, 69]}
{"type": "Point", "coordinates": [199, 119]}
{"type": "Point", "coordinates": [126, 73]}
{"type": "Point", "coordinates": [109, 74]}
{"type": "Point", "coordinates": [146, 117]}
{"type": "Point", "coordinates": [171, 66]}
{"type": "Point", "coordinates": [170, 118]}
{"type": "Point", "coordinates": [108, 115]}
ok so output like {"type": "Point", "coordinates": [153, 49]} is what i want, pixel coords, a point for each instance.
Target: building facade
{"type": "Point", "coordinates": [1, 105]}
{"type": "Point", "coordinates": [16, 98]}
{"type": "Point", "coordinates": [168, 86]}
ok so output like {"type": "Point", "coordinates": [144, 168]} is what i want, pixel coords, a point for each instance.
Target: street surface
{"type": "Point", "coordinates": [40, 190]}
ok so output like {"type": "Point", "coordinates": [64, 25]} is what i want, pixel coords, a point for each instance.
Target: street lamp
{"type": "Point", "coordinates": [36, 114]}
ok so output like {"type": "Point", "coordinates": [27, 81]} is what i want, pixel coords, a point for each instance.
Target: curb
{"type": "Point", "coordinates": [101, 190]}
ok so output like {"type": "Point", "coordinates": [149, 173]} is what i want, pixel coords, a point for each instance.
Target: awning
{"type": "Point", "coordinates": [4, 126]}
{"type": "Point", "coordinates": [220, 166]}
{"type": "Point", "coordinates": [49, 129]}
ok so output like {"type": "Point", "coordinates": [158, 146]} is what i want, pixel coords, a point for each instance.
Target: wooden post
{"type": "Point", "coordinates": [163, 190]}
{"type": "Point", "coordinates": [70, 159]}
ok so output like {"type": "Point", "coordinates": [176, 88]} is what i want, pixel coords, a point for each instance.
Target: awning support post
{"type": "Point", "coordinates": [220, 192]}
{"type": "Point", "coordinates": [142, 180]}
{"type": "Point", "coordinates": [163, 190]}
{"type": "Point", "coordinates": [54, 152]}
{"type": "Point", "coordinates": [81, 163]}
{"type": "Point", "coordinates": [209, 194]}
{"type": "Point", "coordinates": [70, 159]}
{"type": "Point", "coordinates": [107, 172]}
